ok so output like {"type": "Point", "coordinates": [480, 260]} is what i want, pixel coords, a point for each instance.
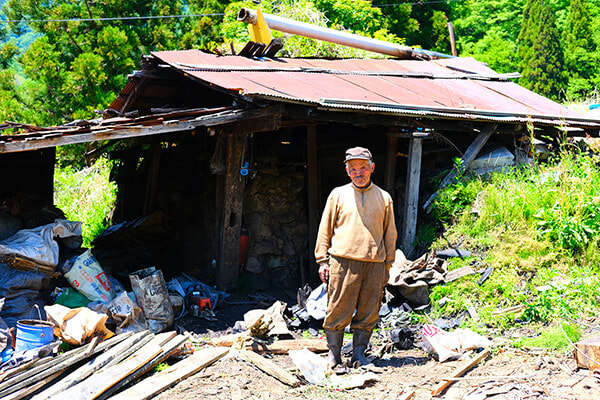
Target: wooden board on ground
{"type": "Point", "coordinates": [60, 363]}
{"type": "Point", "coordinates": [117, 353]}
{"type": "Point", "coordinates": [587, 353]}
{"type": "Point", "coordinates": [102, 380]}
{"type": "Point", "coordinates": [169, 348]}
{"type": "Point", "coordinates": [26, 391]}
{"type": "Point", "coordinates": [458, 273]}
{"type": "Point", "coordinates": [270, 368]}
{"type": "Point", "coordinates": [460, 370]}
{"type": "Point", "coordinates": [149, 388]}
{"type": "Point", "coordinates": [276, 347]}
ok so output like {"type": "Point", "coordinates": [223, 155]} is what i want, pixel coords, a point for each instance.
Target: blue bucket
{"type": "Point", "coordinates": [32, 333]}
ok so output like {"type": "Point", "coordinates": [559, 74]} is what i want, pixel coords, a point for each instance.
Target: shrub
{"type": "Point", "coordinates": [86, 195]}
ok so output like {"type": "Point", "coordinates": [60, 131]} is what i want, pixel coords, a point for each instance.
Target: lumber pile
{"type": "Point", "coordinates": [100, 371]}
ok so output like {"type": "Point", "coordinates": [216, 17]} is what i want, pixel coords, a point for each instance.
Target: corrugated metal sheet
{"type": "Point", "coordinates": [459, 87]}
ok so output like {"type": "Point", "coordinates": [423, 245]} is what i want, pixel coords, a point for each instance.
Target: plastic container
{"type": "Point", "coordinates": [32, 333]}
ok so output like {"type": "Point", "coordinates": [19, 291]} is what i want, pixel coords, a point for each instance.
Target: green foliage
{"type": "Point", "coordinates": [86, 195]}
{"type": "Point", "coordinates": [538, 228]}
{"type": "Point", "coordinates": [540, 54]}
{"type": "Point", "coordinates": [552, 337]}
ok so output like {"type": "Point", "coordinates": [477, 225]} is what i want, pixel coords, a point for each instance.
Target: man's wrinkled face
{"type": "Point", "coordinates": [360, 172]}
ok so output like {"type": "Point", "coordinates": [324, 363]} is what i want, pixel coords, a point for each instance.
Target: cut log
{"type": "Point", "coordinates": [115, 354]}
{"type": "Point", "coordinates": [270, 368]}
{"type": "Point", "coordinates": [149, 388]}
{"type": "Point", "coordinates": [587, 353]}
{"type": "Point", "coordinates": [102, 380]}
{"type": "Point", "coordinates": [459, 371]}
{"type": "Point", "coordinates": [59, 364]}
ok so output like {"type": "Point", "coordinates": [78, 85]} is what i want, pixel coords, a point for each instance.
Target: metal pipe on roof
{"type": "Point", "coordinates": [331, 35]}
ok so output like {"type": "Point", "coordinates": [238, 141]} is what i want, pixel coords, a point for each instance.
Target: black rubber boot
{"type": "Point", "coordinates": [334, 342]}
{"type": "Point", "coordinates": [360, 341]}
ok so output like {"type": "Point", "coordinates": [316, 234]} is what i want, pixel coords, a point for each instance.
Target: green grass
{"type": "Point", "coordinates": [552, 338]}
{"type": "Point", "coordinates": [86, 195]}
{"type": "Point", "coordinates": [539, 228]}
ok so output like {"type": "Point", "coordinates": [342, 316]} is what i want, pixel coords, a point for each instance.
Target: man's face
{"type": "Point", "coordinates": [360, 172]}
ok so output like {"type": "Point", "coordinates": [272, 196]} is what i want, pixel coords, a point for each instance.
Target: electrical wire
{"type": "Point", "coordinates": [112, 18]}
{"type": "Point", "coordinates": [418, 3]}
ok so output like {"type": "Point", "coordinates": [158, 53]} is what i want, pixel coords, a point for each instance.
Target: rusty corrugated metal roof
{"type": "Point", "coordinates": [452, 88]}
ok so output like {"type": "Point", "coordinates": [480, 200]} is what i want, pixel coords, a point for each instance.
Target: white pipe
{"type": "Point", "coordinates": [331, 35]}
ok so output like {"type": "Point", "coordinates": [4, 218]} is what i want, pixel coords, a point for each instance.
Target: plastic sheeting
{"type": "Point", "coordinates": [38, 244]}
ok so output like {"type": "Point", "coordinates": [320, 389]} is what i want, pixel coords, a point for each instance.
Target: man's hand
{"type": "Point", "coordinates": [386, 273]}
{"type": "Point", "coordinates": [324, 272]}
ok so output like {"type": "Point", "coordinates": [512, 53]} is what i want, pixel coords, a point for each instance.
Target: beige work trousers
{"type": "Point", "coordinates": [353, 285]}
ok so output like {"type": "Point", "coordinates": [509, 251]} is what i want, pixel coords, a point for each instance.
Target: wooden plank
{"type": "Point", "coordinates": [228, 268]}
{"type": "Point", "coordinates": [23, 367]}
{"type": "Point", "coordinates": [458, 273]}
{"type": "Point", "coordinates": [466, 159]}
{"type": "Point", "coordinates": [407, 396]}
{"type": "Point", "coordinates": [58, 364]}
{"type": "Point", "coordinates": [149, 388]}
{"type": "Point", "coordinates": [26, 391]}
{"type": "Point", "coordinates": [411, 201]}
{"type": "Point", "coordinates": [113, 355]}
{"type": "Point", "coordinates": [459, 371]}
{"type": "Point", "coordinates": [313, 203]}
{"type": "Point", "coordinates": [587, 353]}
{"type": "Point", "coordinates": [169, 348]}
{"type": "Point", "coordinates": [102, 380]}
{"type": "Point", "coordinates": [269, 367]}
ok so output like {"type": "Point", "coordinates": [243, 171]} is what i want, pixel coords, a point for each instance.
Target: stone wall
{"type": "Point", "coordinates": [276, 218]}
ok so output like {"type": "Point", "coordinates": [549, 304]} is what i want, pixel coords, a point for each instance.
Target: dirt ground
{"type": "Point", "coordinates": [508, 373]}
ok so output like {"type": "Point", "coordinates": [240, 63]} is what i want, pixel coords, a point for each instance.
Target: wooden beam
{"type": "Point", "coordinates": [468, 157]}
{"type": "Point", "coordinates": [390, 166]}
{"type": "Point", "coordinates": [459, 371]}
{"type": "Point", "coordinates": [231, 228]}
{"type": "Point", "coordinates": [411, 200]}
{"type": "Point", "coordinates": [149, 388]}
{"type": "Point", "coordinates": [152, 180]}
{"type": "Point", "coordinates": [277, 347]}
{"type": "Point", "coordinates": [63, 137]}
{"type": "Point", "coordinates": [313, 203]}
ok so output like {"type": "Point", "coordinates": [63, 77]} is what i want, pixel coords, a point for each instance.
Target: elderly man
{"type": "Point", "coordinates": [355, 248]}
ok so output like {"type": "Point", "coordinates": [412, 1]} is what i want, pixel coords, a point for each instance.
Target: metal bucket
{"type": "Point", "coordinates": [32, 333]}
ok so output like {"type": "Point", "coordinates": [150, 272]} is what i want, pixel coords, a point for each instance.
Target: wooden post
{"type": "Point", "coordinates": [390, 171]}
{"type": "Point", "coordinates": [411, 202]}
{"type": "Point", "coordinates": [231, 224]}
{"type": "Point", "coordinates": [466, 160]}
{"type": "Point", "coordinates": [152, 182]}
{"type": "Point", "coordinates": [313, 212]}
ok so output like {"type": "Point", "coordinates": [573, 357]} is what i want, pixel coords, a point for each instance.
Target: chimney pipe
{"type": "Point", "coordinates": [331, 35]}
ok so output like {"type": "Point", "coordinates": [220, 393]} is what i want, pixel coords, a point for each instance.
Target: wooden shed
{"type": "Point", "coordinates": [238, 149]}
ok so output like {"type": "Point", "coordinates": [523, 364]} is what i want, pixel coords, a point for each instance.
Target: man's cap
{"type": "Point", "coordinates": [358, 153]}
